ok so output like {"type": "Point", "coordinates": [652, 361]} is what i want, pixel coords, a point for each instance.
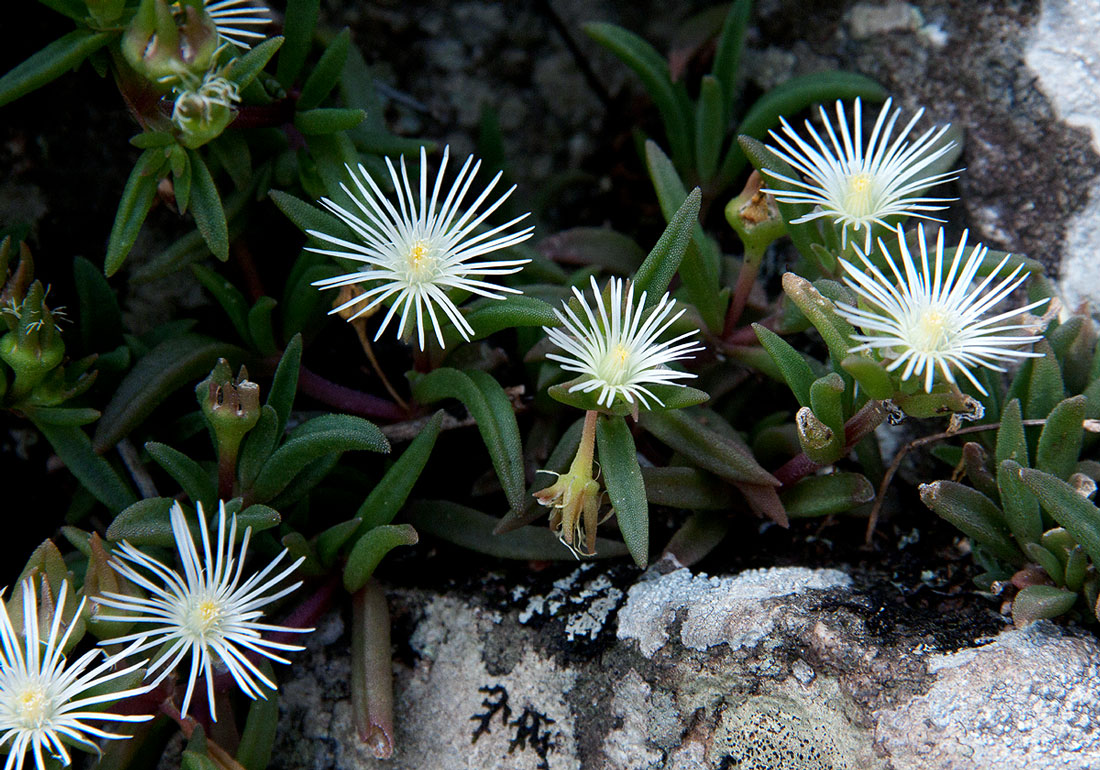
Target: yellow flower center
{"type": "Point", "coordinates": [421, 263]}
{"type": "Point", "coordinates": [205, 616]}
{"type": "Point", "coordinates": [33, 707]}
{"type": "Point", "coordinates": [932, 332]}
{"type": "Point", "coordinates": [614, 365]}
{"type": "Point", "coordinates": [859, 199]}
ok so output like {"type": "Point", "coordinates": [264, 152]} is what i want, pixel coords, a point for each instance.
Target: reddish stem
{"type": "Point", "coordinates": [347, 399]}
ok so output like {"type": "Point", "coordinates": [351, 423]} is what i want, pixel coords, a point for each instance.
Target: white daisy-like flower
{"type": "Point", "coordinates": [616, 349]}
{"type": "Point", "coordinates": [237, 20]}
{"type": "Point", "coordinates": [45, 705]}
{"type": "Point", "coordinates": [208, 612]}
{"type": "Point", "coordinates": [857, 186]}
{"type": "Point", "coordinates": [420, 249]}
{"type": "Point", "coordinates": [934, 321]}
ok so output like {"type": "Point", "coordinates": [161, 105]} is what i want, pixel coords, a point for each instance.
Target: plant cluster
{"type": "Point", "coordinates": [607, 383]}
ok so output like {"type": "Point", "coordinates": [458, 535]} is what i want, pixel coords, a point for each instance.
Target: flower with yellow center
{"type": "Point", "coordinates": [46, 702]}
{"type": "Point", "coordinates": [422, 251]}
{"type": "Point", "coordinates": [935, 322]}
{"type": "Point", "coordinates": [615, 349]}
{"type": "Point", "coordinates": [208, 612]}
{"type": "Point", "coordinates": [857, 186]}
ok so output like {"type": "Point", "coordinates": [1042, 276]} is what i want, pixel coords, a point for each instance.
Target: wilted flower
{"type": "Point", "coordinates": [203, 109]}
{"type": "Point", "coordinates": [207, 612]}
{"type": "Point", "coordinates": [235, 20]}
{"type": "Point", "coordinates": [927, 319]}
{"type": "Point", "coordinates": [857, 186]}
{"type": "Point", "coordinates": [45, 704]}
{"type": "Point", "coordinates": [616, 349]}
{"type": "Point", "coordinates": [421, 249]}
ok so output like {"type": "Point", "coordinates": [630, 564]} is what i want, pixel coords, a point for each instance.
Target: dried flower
{"type": "Point", "coordinates": [618, 352]}
{"type": "Point", "coordinates": [421, 249]}
{"type": "Point", "coordinates": [45, 702]}
{"type": "Point", "coordinates": [207, 612]}
{"type": "Point", "coordinates": [855, 186]}
{"type": "Point", "coordinates": [925, 319]}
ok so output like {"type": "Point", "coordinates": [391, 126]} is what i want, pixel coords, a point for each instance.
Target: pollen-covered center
{"type": "Point", "coordinates": [420, 263]}
{"type": "Point", "coordinates": [616, 367]}
{"type": "Point", "coordinates": [932, 331]}
{"type": "Point", "coordinates": [33, 706]}
{"type": "Point", "coordinates": [204, 617]}
{"type": "Point", "coordinates": [859, 195]}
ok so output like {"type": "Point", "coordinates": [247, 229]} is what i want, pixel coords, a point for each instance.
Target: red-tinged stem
{"type": "Point", "coordinates": [746, 279]}
{"type": "Point", "coordinates": [372, 669]}
{"type": "Point", "coordinates": [862, 422]}
{"type": "Point", "coordinates": [347, 399]}
{"type": "Point", "coordinates": [265, 115]}
{"type": "Point", "coordinates": [744, 335]}
{"type": "Point", "coordinates": [309, 613]}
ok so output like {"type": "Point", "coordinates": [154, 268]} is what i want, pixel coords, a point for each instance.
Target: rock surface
{"type": "Point", "coordinates": [777, 669]}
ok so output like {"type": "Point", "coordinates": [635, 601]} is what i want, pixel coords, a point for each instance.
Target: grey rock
{"type": "Point", "coordinates": [784, 669]}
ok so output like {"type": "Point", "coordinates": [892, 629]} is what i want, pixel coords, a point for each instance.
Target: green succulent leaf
{"type": "Point", "coordinates": [206, 206]}
{"type": "Point", "coordinates": [870, 374]}
{"type": "Point", "coordinates": [148, 522]}
{"type": "Point", "coordinates": [100, 320]}
{"type": "Point", "coordinates": [474, 530]}
{"type": "Point", "coordinates": [687, 488]}
{"type": "Point", "coordinates": [62, 416]}
{"type": "Point", "coordinates": [1066, 506]}
{"type": "Point", "coordinates": [816, 496]}
{"type": "Point", "coordinates": [1011, 440]}
{"type": "Point", "coordinates": [1037, 602]}
{"type": "Point", "coordinates": [975, 514]}
{"type": "Point", "coordinates": [623, 479]}
{"type": "Point", "coordinates": [719, 453]}
{"type": "Point", "coordinates": [491, 409]}
{"type": "Point", "coordinates": [93, 471]}
{"type": "Point", "coordinates": [308, 217]}
{"type": "Point", "coordinates": [392, 490]}
{"type": "Point", "coordinates": [612, 251]}
{"type": "Point", "coordinates": [1061, 438]}
{"type": "Point", "coordinates": [325, 435]}
{"type": "Point", "coordinates": [328, 120]}
{"type": "Point", "coordinates": [301, 18]}
{"type": "Point", "coordinates": [257, 446]}
{"type": "Point", "coordinates": [260, 727]}
{"type": "Point", "coordinates": [792, 364]}
{"type": "Point", "coordinates": [247, 68]}
{"type": "Point", "coordinates": [369, 550]}
{"type": "Point", "coordinates": [260, 326]}
{"type": "Point", "coordinates": [168, 366]}
{"type": "Point", "coordinates": [727, 56]}
{"type": "Point", "coordinates": [651, 67]}
{"type": "Point", "coordinates": [331, 540]}
{"type": "Point", "coordinates": [326, 74]}
{"type": "Point", "coordinates": [228, 296]}
{"type": "Point", "coordinates": [193, 480]}
{"type": "Point", "coordinates": [656, 272]}
{"type": "Point", "coordinates": [60, 56]}
{"type": "Point", "coordinates": [710, 126]}
{"type": "Point", "coordinates": [133, 207]}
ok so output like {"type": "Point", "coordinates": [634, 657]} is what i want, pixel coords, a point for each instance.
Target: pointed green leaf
{"type": "Point", "coordinates": [710, 450]}
{"type": "Point", "coordinates": [1011, 441]}
{"type": "Point", "coordinates": [193, 480]}
{"type": "Point", "coordinates": [326, 435]}
{"type": "Point", "coordinates": [796, 94]}
{"type": "Point", "coordinates": [284, 384]}
{"type": "Point", "coordinates": [260, 326]}
{"type": "Point", "coordinates": [301, 18]}
{"type": "Point", "coordinates": [816, 496]}
{"type": "Point", "coordinates": [488, 404]}
{"type": "Point", "coordinates": [1066, 506]}
{"type": "Point", "coordinates": [170, 365]}
{"type": "Point", "coordinates": [727, 56]}
{"type": "Point", "coordinates": [870, 374]}
{"type": "Point", "coordinates": [100, 321]}
{"type": "Point", "coordinates": [133, 207]}
{"type": "Point", "coordinates": [1061, 438]}
{"type": "Point", "coordinates": [244, 69]}
{"type": "Point", "coordinates": [658, 269]}
{"type": "Point", "coordinates": [308, 217]}
{"type": "Point", "coordinates": [622, 477]}
{"type": "Point", "coordinates": [392, 490]}
{"type": "Point", "coordinates": [327, 120]}
{"type": "Point", "coordinates": [206, 207]}
{"type": "Point", "coordinates": [710, 127]}
{"type": "Point", "coordinates": [51, 62]}
{"type": "Point", "coordinates": [258, 445]}
{"type": "Point", "coordinates": [95, 473]}
{"type": "Point", "coordinates": [973, 513]}
{"type": "Point", "coordinates": [796, 371]}
{"type": "Point", "coordinates": [228, 296]}
{"type": "Point", "coordinates": [690, 488]}
{"type": "Point", "coordinates": [326, 74]}
{"type": "Point", "coordinates": [1038, 602]}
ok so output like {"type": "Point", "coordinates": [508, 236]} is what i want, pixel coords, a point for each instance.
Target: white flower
{"type": "Point", "coordinates": [617, 352]}
{"type": "Point", "coordinates": [235, 19]}
{"type": "Point", "coordinates": [43, 700]}
{"type": "Point", "coordinates": [857, 186]}
{"type": "Point", "coordinates": [422, 248]}
{"type": "Point", "coordinates": [208, 612]}
{"type": "Point", "coordinates": [927, 319]}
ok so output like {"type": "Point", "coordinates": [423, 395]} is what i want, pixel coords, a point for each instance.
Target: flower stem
{"type": "Point", "coordinates": [746, 279]}
{"type": "Point", "coordinates": [372, 669]}
{"type": "Point", "coordinates": [347, 399]}
{"type": "Point", "coordinates": [582, 463]}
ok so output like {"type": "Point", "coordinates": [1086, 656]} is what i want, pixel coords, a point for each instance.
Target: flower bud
{"type": "Point", "coordinates": [166, 47]}
{"type": "Point", "coordinates": [230, 404]}
{"type": "Point", "coordinates": [33, 347]}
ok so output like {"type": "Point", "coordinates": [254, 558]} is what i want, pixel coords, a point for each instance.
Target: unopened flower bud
{"type": "Point", "coordinates": [166, 47]}
{"type": "Point", "coordinates": [231, 404]}
{"type": "Point", "coordinates": [33, 347]}
{"type": "Point", "coordinates": [202, 113]}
